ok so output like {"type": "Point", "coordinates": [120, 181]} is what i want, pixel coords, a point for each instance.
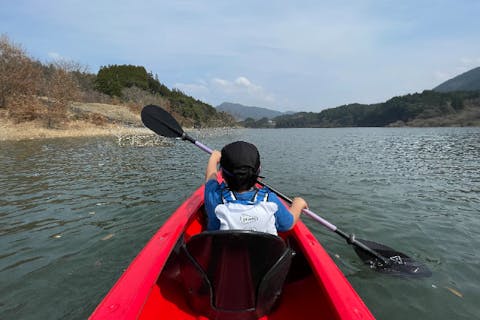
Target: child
{"type": "Point", "coordinates": [237, 203]}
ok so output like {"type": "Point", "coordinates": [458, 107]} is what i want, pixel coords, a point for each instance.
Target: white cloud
{"type": "Point", "coordinates": [242, 81]}
{"type": "Point", "coordinates": [240, 90]}
{"type": "Point", "coordinates": [224, 84]}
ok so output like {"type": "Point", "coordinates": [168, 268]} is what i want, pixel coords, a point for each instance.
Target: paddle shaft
{"type": "Point", "coordinates": [349, 238]}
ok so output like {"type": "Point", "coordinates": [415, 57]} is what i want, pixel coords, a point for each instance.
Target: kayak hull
{"type": "Point", "coordinates": [148, 289]}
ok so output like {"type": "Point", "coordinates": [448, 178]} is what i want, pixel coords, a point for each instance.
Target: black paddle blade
{"type": "Point", "coordinates": [161, 122]}
{"type": "Point", "coordinates": [399, 264]}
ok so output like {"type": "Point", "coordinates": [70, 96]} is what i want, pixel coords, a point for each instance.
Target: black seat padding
{"type": "Point", "coordinates": [234, 274]}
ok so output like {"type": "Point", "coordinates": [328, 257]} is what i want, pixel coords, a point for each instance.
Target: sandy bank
{"type": "Point", "coordinates": [10, 131]}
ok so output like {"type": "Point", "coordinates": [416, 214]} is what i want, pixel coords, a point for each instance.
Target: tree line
{"type": "Point", "coordinates": [398, 111]}
{"type": "Point", "coordinates": [31, 90]}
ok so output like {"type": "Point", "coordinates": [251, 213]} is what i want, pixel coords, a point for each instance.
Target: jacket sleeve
{"type": "Point", "coordinates": [283, 217]}
{"type": "Point", "coordinates": [212, 199]}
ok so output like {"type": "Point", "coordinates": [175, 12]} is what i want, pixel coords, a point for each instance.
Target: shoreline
{"type": "Point", "coordinates": [10, 131]}
{"type": "Point", "coordinates": [34, 130]}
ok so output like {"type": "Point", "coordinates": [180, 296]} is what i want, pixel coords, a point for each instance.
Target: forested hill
{"type": "Point", "coordinates": [468, 81]}
{"type": "Point", "coordinates": [428, 108]}
{"type": "Point", "coordinates": [135, 84]}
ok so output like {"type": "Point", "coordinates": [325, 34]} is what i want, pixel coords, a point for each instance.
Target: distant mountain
{"type": "Point", "coordinates": [241, 112]}
{"type": "Point", "coordinates": [468, 81]}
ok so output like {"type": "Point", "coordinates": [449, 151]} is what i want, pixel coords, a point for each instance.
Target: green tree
{"type": "Point", "coordinates": [112, 79]}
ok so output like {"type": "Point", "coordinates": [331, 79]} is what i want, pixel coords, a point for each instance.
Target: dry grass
{"type": "Point", "coordinates": [35, 130]}
{"type": "Point", "coordinates": [112, 112]}
{"type": "Point", "coordinates": [85, 120]}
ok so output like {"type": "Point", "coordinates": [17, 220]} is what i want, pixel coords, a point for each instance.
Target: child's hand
{"type": "Point", "coordinates": [299, 203]}
{"type": "Point", "coordinates": [215, 156]}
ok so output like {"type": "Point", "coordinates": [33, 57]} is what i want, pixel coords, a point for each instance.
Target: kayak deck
{"type": "Point", "coordinates": [149, 288]}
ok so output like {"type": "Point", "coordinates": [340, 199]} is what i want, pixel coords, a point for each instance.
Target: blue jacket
{"type": "Point", "coordinates": [257, 209]}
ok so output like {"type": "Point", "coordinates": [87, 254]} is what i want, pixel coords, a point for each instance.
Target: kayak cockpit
{"type": "Point", "coordinates": [289, 287]}
{"type": "Point", "coordinates": [234, 274]}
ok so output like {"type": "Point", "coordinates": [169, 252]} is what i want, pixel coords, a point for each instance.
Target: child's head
{"type": "Point", "coordinates": [240, 164]}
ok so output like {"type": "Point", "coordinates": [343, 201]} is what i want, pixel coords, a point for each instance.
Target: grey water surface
{"type": "Point", "coordinates": [75, 212]}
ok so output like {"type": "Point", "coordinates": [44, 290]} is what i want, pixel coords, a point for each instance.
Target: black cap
{"type": "Point", "coordinates": [240, 157]}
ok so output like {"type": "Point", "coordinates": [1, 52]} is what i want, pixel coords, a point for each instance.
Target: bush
{"type": "Point", "coordinates": [19, 75]}
{"type": "Point", "coordinates": [32, 91]}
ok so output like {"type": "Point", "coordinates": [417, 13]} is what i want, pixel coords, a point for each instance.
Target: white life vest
{"type": "Point", "coordinates": [256, 214]}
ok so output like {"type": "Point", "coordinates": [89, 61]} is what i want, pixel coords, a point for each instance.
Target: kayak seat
{"type": "Point", "coordinates": [234, 274]}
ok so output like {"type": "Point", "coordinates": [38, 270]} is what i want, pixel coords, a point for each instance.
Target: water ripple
{"type": "Point", "coordinates": [75, 212]}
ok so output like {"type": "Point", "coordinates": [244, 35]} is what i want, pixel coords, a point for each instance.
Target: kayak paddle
{"type": "Point", "coordinates": [379, 257]}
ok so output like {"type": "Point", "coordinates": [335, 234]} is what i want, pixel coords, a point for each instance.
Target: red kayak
{"type": "Point", "coordinates": [185, 272]}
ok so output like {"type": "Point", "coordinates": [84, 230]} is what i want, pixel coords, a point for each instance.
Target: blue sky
{"type": "Point", "coordinates": [285, 55]}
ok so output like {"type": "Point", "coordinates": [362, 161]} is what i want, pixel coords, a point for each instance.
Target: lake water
{"type": "Point", "coordinates": [75, 212]}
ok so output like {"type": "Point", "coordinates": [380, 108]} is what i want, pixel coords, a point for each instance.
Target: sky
{"type": "Point", "coordinates": [282, 55]}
